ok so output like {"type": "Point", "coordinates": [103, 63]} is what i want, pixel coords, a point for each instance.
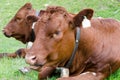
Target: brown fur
{"type": "Point", "coordinates": [55, 37]}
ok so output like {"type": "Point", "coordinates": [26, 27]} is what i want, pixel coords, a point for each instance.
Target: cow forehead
{"type": "Point", "coordinates": [53, 19]}
{"type": "Point", "coordinates": [22, 13]}
{"type": "Point", "coordinates": [53, 11]}
{"type": "Point", "coordinates": [52, 23]}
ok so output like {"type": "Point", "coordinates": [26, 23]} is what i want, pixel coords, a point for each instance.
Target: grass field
{"type": "Point", "coordinates": [8, 8]}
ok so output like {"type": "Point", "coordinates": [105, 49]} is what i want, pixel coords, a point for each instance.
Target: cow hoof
{"type": "Point", "coordinates": [25, 70]}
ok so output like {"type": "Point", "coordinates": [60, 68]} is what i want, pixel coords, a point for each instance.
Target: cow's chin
{"type": "Point", "coordinates": [20, 38]}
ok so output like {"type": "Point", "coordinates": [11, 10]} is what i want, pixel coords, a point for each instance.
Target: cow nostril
{"type": "Point", "coordinates": [7, 33]}
{"type": "Point", "coordinates": [33, 58]}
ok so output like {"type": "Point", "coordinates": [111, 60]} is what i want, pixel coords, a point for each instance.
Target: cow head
{"type": "Point", "coordinates": [18, 26]}
{"type": "Point", "coordinates": [55, 36]}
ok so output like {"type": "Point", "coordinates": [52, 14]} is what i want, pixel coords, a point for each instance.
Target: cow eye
{"type": "Point", "coordinates": [18, 19]}
{"type": "Point", "coordinates": [53, 35]}
{"type": "Point", "coordinates": [57, 32]}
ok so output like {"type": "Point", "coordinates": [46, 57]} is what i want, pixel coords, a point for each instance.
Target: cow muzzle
{"type": "Point", "coordinates": [7, 33]}
{"type": "Point", "coordinates": [30, 59]}
{"type": "Point", "coordinates": [35, 60]}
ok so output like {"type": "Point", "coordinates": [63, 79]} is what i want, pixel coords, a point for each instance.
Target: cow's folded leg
{"type": "Point", "coordinates": [85, 76]}
{"type": "Point", "coordinates": [45, 72]}
{"type": "Point", "coordinates": [3, 55]}
{"type": "Point", "coordinates": [18, 53]}
{"type": "Point", "coordinates": [11, 55]}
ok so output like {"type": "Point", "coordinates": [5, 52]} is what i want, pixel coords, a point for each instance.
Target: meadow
{"type": "Point", "coordinates": [9, 67]}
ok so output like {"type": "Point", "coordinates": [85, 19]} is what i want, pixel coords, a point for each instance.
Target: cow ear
{"type": "Point", "coordinates": [31, 18]}
{"type": "Point", "coordinates": [28, 5]}
{"type": "Point", "coordinates": [41, 12]}
{"type": "Point", "coordinates": [82, 19]}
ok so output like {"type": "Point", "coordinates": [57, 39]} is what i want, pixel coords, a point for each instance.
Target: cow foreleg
{"type": "Point", "coordinates": [85, 76]}
{"type": "Point", "coordinates": [18, 53]}
{"type": "Point", "coordinates": [11, 55]}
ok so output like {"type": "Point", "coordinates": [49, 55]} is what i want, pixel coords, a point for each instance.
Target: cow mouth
{"type": "Point", "coordinates": [7, 35]}
{"type": "Point", "coordinates": [38, 65]}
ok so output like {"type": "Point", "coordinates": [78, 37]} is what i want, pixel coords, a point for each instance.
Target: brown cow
{"type": "Point", "coordinates": [97, 55]}
{"type": "Point", "coordinates": [20, 29]}
{"type": "Point", "coordinates": [18, 26]}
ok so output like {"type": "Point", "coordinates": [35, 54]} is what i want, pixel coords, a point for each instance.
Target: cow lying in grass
{"type": "Point", "coordinates": [97, 43]}
{"type": "Point", "coordinates": [20, 29]}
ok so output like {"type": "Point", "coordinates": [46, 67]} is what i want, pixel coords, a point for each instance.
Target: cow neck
{"type": "Point", "coordinates": [32, 32]}
{"type": "Point", "coordinates": [75, 48]}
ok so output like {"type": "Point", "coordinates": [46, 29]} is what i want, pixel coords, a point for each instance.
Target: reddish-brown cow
{"type": "Point", "coordinates": [18, 26]}
{"type": "Point", "coordinates": [98, 50]}
{"type": "Point", "coordinates": [20, 29]}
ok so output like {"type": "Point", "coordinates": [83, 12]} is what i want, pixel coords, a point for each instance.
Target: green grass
{"type": "Point", "coordinates": [8, 8]}
{"type": "Point", "coordinates": [9, 70]}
